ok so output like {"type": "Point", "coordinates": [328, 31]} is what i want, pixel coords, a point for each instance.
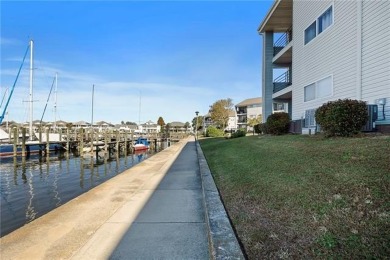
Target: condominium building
{"type": "Point", "coordinates": [319, 51]}
{"type": "Point", "coordinates": [249, 108]}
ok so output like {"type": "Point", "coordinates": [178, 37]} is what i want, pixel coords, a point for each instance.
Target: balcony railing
{"type": "Point", "coordinates": [283, 40]}
{"type": "Point", "coordinates": [283, 81]}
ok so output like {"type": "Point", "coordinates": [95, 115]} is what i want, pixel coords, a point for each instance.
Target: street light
{"type": "Point", "coordinates": [196, 127]}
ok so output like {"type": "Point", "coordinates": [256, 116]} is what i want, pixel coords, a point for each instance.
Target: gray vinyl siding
{"type": "Point", "coordinates": [376, 55]}
{"type": "Point", "coordinates": [331, 53]}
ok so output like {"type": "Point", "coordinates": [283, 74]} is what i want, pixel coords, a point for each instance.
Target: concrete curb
{"type": "Point", "coordinates": [223, 243]}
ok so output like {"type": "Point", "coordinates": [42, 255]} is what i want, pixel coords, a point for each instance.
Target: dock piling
{"type": "Point", "coordinates": [23, 141]}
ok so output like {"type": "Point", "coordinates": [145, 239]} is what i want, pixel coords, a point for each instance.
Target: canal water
{"type": "Point", "coordinates": [32, 187]}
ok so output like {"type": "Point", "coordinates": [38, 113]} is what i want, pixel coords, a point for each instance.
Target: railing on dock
{"type": "Point", "coordinates": [77, 139]}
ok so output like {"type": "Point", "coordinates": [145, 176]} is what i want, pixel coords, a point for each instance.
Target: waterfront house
{"type": "Point", "coordinates": [81, 124]}
{"type": "Point", "coordinates": [318, 51]}
{"type": "Point", "coordinates": [177, 127]}
{"type": "Point", "coordinates": [249, 108]}
{"type": "Point", "coordinates": [150, 127]}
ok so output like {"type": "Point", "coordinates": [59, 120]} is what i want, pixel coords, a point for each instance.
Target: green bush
{"type": "Point", "coordinates": [239, 133]}
{"type": "Point", "coordinates": [261, 128]}
{"type": "Point", "coordinates": [212, 131]}
{"type": "Point", "coordinates": [277, 124]}
{"type": "Point", "coordinates": [342, 117]}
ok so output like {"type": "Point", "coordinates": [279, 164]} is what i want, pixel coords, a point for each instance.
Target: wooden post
{"type": "Point", "coordinates": [67, 142]}
{"type": "Point", "coordinates": [117, 142]}
{"type": "Point", "coordinates": [23, 141]}
{"type": "Point", "coordinates": [16, 137]}
{"type": "Point", "coordinates": [105, 142]}
{"type": "Point", "coordinates": [47, 142]}
{"type": "Point", "coordinates": [91, 140]}
{"type": "Point", "coordinates": [81, 141]}
{"type": "Point", "coordinates": [125, 143]}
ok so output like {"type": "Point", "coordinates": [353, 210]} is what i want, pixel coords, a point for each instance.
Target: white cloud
{"type": "Point", "coordinates": [9, 41]}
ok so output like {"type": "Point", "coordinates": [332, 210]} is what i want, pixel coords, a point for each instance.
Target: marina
{"type": "Point", "coordinates": [32, 186]}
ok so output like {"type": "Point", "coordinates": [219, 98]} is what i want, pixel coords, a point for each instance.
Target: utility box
{"type": "Point", "coordinates": [372, 117]}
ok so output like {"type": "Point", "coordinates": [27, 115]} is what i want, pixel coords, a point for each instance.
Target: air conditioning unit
{"type": "Point", "coordinates": [372, 117]}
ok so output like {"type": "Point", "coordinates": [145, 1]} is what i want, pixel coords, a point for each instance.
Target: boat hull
{"type": "Point", "coordinates": [7, 150]}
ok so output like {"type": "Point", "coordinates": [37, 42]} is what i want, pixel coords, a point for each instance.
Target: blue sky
{"type": "Point", "coordinates": [178, 56]}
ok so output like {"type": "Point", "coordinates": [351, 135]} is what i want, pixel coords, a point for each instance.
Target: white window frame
{"type": "Point", "coordinates": [311, 113]}
{"type": "Point", "coordinates": [318, 19]}
{"type": "Point", "coordinates": [317, 25]}
{"type": "Point", "coordinates": [315, 89]}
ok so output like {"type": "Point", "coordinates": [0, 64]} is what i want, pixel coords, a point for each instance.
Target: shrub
{"type": "Point", "coordinates": [239, 133]}
{"type": "Point", "coordinates": [342, 117]}
{"type": "Point", "coordinates": [261, 128]}
{"type": "Point", "coordinates": [212, 131]}
{"type": "Point", "coordinates": [278, 123]}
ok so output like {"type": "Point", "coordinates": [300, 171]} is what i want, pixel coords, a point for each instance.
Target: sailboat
{"type": "Point", "coordinates": [142, 143]}
{"type": "Point", "coordinates": [32, 146]}
{"type": "Point", "coordinates": [53, 136]}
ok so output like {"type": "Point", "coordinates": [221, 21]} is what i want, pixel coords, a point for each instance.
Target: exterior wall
{"type": "Point", "coordinates": [331, 53]}
{"type": "Point", "coordinates": [254, 111]}
{"type": "Point", "coordinates": [232, 123]}
{"type": "Point", "coordinates": [375, 54]}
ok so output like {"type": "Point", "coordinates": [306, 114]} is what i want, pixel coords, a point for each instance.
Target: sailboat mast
{"type": "Point", "coordinates": [93, 92]}
{"type": "Point", "coordinates": [31, 89]}
{"type": "Point", "coordinates": [55, 103]}
{"type": "Point", "coordinates": [139, 110]}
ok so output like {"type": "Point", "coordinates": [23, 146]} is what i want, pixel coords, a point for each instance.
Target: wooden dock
{"type": "Point", "coordinates": [76, 140]}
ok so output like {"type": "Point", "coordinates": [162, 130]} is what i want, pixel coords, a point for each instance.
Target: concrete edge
{"type": "Point", "coordinates": [223, 243]}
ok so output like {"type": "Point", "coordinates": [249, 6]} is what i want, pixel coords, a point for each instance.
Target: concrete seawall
{"type": "Point", "coordinates": [65, 231]}
{"type": "Point", "coordinates": [126, 216]}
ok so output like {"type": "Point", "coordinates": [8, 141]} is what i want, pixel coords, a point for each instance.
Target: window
{"type": "Point", "coordinates": [310, 92]}
{"type": "Point", "coordinates": [310, 33]}
{"type": "Point", "coordinates": [325, 20]}
{"type": "Point", "coordinates": [280, 107]}
{"type": "Point", "coordinates": [319, 25]}
{"type": "Point", "coordinates": [320, 89]}
{"type": "Point", "coordinates": [310, 119]}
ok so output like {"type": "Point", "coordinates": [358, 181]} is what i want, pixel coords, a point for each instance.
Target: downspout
{"type": "Point", "coordinates": [359, 51]}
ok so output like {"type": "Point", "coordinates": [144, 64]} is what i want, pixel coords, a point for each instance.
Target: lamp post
{"type": "Point", "coordinates": [196, 127]}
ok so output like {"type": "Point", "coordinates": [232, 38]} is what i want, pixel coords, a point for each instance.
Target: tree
{"type": "Point", "coordinates": [122, 122]}
{"type": "Point", "coordinates": [254, 121]}
{"type": "Point", "coordinates": [160, 121]}
{"type": "Point", "coordinates": [130, 123]}
{"type": "Point", "coordinates": [167, 128]}
{"type": "Point", "coordinates": [200, 122]}
{"type": "Point", "coordinates": [187, 125]}
{"type": "Point", "coordinates": [220, 110]}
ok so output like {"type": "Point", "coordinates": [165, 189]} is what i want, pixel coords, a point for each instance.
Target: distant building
{"type": "Point", "coordinates": [232, 121]}
{"type": "Point", "coordinates": [178, 127]}
{"type": "Point", "coordinates": [150, 127]}
{"type": "Point", "coordinates": [249, 108]}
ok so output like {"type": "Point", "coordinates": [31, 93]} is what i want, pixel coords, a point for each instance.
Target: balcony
{"type": "Point", "coordinates": [283, 41]}
{"type": "Point", "coordinates": [242, 120]}
{"type": "Point", "coordinates": [241, 111]}
{"type": "Point", "coordinates": [282, 82]}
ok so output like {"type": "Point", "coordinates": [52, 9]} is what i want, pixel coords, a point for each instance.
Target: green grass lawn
{"type": "Point", "coordinates": [296, 196]}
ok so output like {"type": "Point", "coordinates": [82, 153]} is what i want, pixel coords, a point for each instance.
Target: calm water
{"type": "Point", "coordinates": [30, 188]}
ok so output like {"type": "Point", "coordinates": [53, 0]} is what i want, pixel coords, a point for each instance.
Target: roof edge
{"type": "Point", "coordinates": [269, 14]}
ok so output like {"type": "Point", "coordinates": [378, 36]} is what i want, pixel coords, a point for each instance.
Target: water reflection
{"type": "Point", "coordinates": [32, 187]}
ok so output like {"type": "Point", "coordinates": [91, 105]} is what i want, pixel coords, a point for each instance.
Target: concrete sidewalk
{"type": "Point", "coordinates": [166, 207]}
